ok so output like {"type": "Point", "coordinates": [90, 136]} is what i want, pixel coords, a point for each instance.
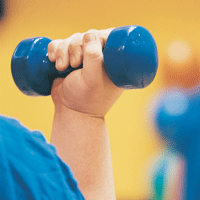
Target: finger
{"type": "Point", "coordinates": [52, 48]}
{"type": "Point", "coordinates": [75, 50]}
{"type": "Point", "coordinates": [92, 57]}
{"type": "Point", "coordinates": [62, 56]}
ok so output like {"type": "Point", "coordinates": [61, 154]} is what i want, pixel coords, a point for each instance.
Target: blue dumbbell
{"type": "Point", "coordinates": [130, 57]}
{"type": "Point", "coordinates": [177, 119]}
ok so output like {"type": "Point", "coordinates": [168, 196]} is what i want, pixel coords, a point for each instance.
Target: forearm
{"type": "Point", "coordinates": [82, 142]}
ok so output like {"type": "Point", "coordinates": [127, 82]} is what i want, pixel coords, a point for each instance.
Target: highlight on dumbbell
{"type": "Point", "coordinates": [130, 57]}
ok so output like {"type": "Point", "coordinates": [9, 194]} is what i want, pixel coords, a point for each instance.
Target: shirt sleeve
{"type": "Point", "coordinates": [30, 167]}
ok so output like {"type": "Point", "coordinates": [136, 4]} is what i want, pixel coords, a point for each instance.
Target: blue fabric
{"type": "Point", "coordinates": [30, 167]}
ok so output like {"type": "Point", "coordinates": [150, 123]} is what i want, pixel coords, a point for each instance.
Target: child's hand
{"type": "Point", "coordinates": [87, 90]}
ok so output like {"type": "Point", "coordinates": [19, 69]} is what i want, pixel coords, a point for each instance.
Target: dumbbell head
{"type": "Point", "coordinates": [32, 71]}
{"type": "Point", "coordinates": [30, 66]}
{"type": "Point", "coordinates": [130, 57]}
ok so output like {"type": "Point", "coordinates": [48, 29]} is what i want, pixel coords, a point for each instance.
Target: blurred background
{"type": "Point", "coordinates": [134, 140]}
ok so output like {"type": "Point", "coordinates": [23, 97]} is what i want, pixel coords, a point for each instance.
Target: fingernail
{"type": "Point", "coordinates": [90, 37]}
{"type": "Point", "coordinates": [59, 61]}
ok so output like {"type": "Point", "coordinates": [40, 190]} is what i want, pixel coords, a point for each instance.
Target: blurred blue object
{"type": "Point", "coordinates": [177, 120]}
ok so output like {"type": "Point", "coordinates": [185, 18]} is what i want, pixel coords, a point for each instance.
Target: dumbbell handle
{"type": "Point", "coordinates": [130, 57]}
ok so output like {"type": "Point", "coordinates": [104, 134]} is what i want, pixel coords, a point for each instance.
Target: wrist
{"type": "Point", "coordinates": [75, 124]}
{"type": "Point", "coordinates": [63, 112]}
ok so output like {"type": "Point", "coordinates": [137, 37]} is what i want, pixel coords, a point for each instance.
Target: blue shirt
{"type": "Point", "coordinates": [30, 167]}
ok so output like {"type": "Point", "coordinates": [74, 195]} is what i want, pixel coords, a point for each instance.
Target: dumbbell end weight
{"type": "Point", "coordinates": [130, 57]}
{"type": "Point", "coordinates": [32, 71]}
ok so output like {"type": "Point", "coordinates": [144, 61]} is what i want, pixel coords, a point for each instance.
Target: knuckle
{"type": "Point", "coordinates": [93, 51]}
{"type": "Point", "coordinates": [52, 49]}
{"type": "Point", "coordinates": [62, 47]}
{"type": "Point", "coordinates": [91, 31]}
{"type": "Point", "coordinates": [76, 42]}
{"type": "Point", "coordinates": [76, 38]}
{"type": "Point", "coordinates": [59, 51]}
{"type": "Point", "coordinates": [77, 35]}
{"type": "Point", "coordinates": [72, 47]}
{"type": "Point", "coordinates": [90, 50]}
{"type": "Point", "coordinates": [53, 44]}
{"type": "Point", "coordinates": [50, 46]}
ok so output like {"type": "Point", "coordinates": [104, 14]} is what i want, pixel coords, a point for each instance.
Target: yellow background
{"type": "Point", "coordinates": [133, 141]}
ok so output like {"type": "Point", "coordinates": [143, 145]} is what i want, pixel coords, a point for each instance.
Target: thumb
{"type": "Point", "coordinates": [92, 55]}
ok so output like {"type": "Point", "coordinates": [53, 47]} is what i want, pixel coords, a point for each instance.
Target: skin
{"type": "Point", "coordinates": [81, 101]}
